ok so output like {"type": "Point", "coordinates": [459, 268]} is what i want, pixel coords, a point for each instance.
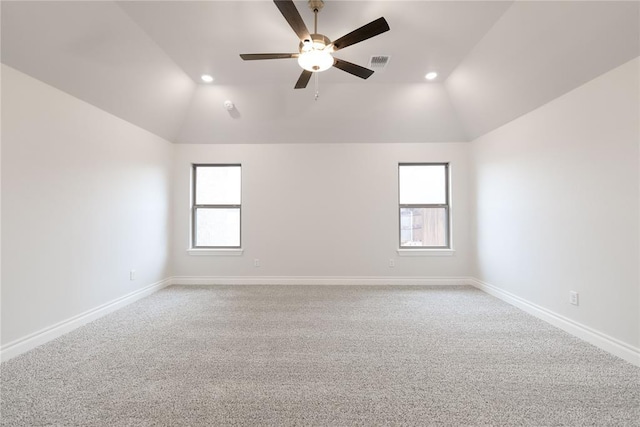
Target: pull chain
{"type": "Point", "coordinates": [317, 90]}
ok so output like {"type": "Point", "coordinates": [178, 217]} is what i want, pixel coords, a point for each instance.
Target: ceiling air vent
{"type": "Point", "coordinates": [379, 62]}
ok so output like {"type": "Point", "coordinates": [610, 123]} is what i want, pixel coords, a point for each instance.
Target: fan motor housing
{"type": "Point", "coordinates": [317, 42]}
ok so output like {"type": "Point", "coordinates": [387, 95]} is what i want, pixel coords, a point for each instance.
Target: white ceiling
{"type": "Point", "coordinates": [142, 61]}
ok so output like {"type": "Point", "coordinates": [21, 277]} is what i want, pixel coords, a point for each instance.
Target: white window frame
{"type": "Point", "coordinates": [430, 250]}
{"type": "Point", "coordinates": [220, 250]}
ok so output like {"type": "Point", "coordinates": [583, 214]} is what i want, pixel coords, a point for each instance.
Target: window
{"type": "Point", "coordinates": [424, 205]}
{"type": "Point", "coordinates": [216, 206]}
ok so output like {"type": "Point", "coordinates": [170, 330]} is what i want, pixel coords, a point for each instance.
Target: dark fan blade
{"type": "Point", "coordinates": [303, 79]}
{"type": "Point", "coordinates": [351, 68]}
{"type": "Point", "coordinates": [254, 56]}
{"type": "Point", "coordinates": [372, 29]}
{"type": "Point", "coordinates": [291, 14]}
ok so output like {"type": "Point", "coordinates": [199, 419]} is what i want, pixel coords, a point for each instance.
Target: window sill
{"type": "Point", "coordinates": [215, 252]}
{"type": "Point", "coordinates": [426, 252]}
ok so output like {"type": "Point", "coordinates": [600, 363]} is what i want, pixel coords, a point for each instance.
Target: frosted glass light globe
{"type": "Point", "coordinates": [315, 60]}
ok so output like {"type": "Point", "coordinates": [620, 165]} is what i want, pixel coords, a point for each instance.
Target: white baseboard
{"type": "Point", "coordinates": [605, 342]}
{"type": "Point", "coordinates": [52, 332]}
{"type": "Point", "coordinates": [317, 280]}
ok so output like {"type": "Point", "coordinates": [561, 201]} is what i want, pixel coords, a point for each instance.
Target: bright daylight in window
{"type": "Point", "coordinates": [216, 206]}
{"type": "Point", "coordinates": [424, 205]}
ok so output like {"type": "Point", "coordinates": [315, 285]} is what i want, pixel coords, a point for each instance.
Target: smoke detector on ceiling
{"type": "Point", "coordinates": [378, 63]}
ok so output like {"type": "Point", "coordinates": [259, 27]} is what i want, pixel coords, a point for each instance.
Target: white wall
{"type": "Point", "coordinates": [321, 210]}
{"type": "Point", "coordinates": [85, 198]}
{"type": "Point", "coordinates": [557, 202]}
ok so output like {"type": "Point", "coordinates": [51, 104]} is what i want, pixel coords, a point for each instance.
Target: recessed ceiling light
{"type": "Point", "coordinates": [432, 75]}
{"type": "Point", "coordinates": [206, 78]}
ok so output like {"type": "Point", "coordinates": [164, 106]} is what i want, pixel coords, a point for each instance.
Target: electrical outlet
{"type": "Point", "coordinates": [573, 297]}
{"type": "Point", "coordinates": [392, 263]}
{"type": "Point", "coordinates": [256, 262]}
{"type": "Point", "coordinates": [132, 275]}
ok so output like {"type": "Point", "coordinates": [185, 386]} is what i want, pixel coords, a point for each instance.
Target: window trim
{"type": "Point", "coordinates": [447, 206]}
{"type": "Point", "coordinates": [215, 252]}
{"type": "Point", "coordinates": [195, 207]}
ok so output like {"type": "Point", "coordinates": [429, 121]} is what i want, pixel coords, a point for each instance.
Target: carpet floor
{"type": "Point", "coordinates": [318, 355]}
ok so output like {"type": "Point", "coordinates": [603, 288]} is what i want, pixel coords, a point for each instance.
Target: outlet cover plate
{"type": "Point", "coordinates": [573, 297]}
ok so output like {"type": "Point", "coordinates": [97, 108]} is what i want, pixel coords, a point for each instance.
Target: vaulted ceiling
{"type": "Point", "coordinates": [142, 61]}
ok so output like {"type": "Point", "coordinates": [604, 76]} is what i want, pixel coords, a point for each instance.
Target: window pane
{"type": "Point", "coordinates": [217, 227]}
{"type": "Point", "coordinates": [423, 227]}
{"type": "Point", "coordinates": [217, 185]}
{"type": "Point", "coordinates": [423, 184]}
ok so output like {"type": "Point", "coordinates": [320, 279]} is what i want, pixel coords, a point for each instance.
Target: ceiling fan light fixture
{"type": "Point", "coordinates": [315, 60]}
{"type": "Point", "coordinates": [315, 49]}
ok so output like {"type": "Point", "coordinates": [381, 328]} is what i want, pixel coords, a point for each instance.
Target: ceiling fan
{"type": "Point", "coordinates": [315, 50]}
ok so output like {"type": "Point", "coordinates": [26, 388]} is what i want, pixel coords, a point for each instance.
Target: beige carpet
{"type": "Point", "coordinates": [319, 355]}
